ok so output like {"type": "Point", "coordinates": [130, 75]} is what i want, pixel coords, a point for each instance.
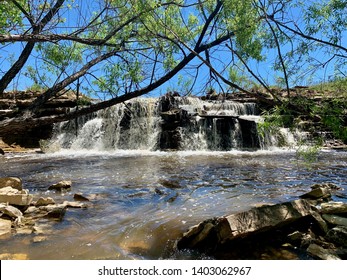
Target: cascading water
{"type": "Point", "coordinates": [134, 125]}
{"type": "Point", "coordinates": [180, 123]}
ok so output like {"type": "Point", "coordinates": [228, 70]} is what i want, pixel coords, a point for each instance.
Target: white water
{"type": "Point", "coordinates": [136, 125]}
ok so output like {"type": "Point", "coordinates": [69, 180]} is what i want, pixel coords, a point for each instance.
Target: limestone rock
{"type": "Point", "coordinates": [14, 257]}
{"type": "Point", "coordinates": [321, 253]}
{"type": "Point", "coordinates": [333, 207]}
{"type": "Point", "coordinates": [62, 185]}
{"type": "Point", "coordinates": [265, 217]}
{"type": "Point", "coordinates": [13, 182]}
{"type": "Point", "coordinates": [10, 211]}
{"type": "Point", "coordinates": [54, 211]}
{"type": "Point", "coordinates": [240, 225]}
{"type": "Point", "coordinates": [15, 197]}
{"type": "Point", "coordinates": [335, 220]}
{"type": "Point", "coordinates": [319, 192]}
{"type": "Point", "coordinates": [74, 204]}
{"type": "Point", "coordinates": [43, 201]}
{"type": "Point", "coordinates": [338, 235]}
{"type": "Point", "coordinates": [5, 229]}
{"type": "Point", "coordinates": [80, 197]}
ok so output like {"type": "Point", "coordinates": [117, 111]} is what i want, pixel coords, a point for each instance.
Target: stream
{"type": "Point", "coordinates": [142, 201]}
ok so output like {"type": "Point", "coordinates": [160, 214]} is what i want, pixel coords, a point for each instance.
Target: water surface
{"type": "Point", "coordinates": [143, 201]}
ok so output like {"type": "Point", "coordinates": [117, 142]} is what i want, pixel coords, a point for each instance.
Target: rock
{"type": "Point", "coordinates": [320, 222]}
{"type": "Point", "coordinates": [13, 182]}
{"type": "Point", "coordinates": [62, 185]}
{"type": "Point", "coordinates": [10, 211]}
{"type": "Point", "coordinates": [15, 197]}
{"type": "Point", "coordinates": [43, 201]}
{"type": "Point", "coordinates": [240, 225]}
{"type": "Point", "coordinates": [321, 253]}
{"type": "Point", "coordinates": [333, 207]}
{"type": "Point", "coordinates": [2, 152]}
{"type": "Point", "coordinates": [39, 238]}
{"type": "Point", "coordinates": [338, 235]}
{"type": "Point", "coordinates": [335, 220]}
{"type": "Point", "coordinates": [14, 257]}
{"type": "Point", "coordinates": [5, 229]}
{"type": "Point", "coordinates": [296, 236]}
{"type": "Point", "coordinates": [54, 211]}
{"type": "Point", "coordinates": [316, 193]}
{"type": "Point", "coordinates": [329, 186]}
{"type": "Point", "coordinates": [80, 197]}
{"type": "Point", "coordinates": [73, 204]}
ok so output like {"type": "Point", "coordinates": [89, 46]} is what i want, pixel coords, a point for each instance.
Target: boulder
{"type": "Point", "coordinates": [333, 207]}
{"type": "Point", "coordinates": [10, 211]}
{"type": "Point", "coordinates": [318, 192]}
{"type": "Point", "coordinates": [5, 228]}
{"type": "Point", "coordinates": [43, 201]}
{"type": "Point", "coordinates": [62, 185]}
{"type": "Point", "coordinates": [54, 211]}
{"type": "Point", "coordinates": [319, 252]}
{"type": "Point", "coordinates": [12, 182]}
{"type": "Point", "coordinates": [335, 220]}
{"type": "Point", "coordinates": [80, 197]}
{"type": "Point", "coordinates": [338, 235]}
{"type": "Point", "coordinates": [240, 225]}
{"type": "Point", "coordinates": [15, 197]}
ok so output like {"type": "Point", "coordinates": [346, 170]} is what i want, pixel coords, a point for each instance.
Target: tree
{"type": "Point", "coordinates": [123, 49]}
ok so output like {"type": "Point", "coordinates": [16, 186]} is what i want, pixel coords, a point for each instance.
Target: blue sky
{"type": "Point", "coordinates": [264, 69]}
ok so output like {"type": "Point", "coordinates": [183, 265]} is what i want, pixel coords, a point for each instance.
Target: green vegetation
{"type": "Point", "coordinates": [122, 49]}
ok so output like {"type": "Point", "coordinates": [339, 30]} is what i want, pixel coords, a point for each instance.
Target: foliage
{"type": "Point", "coordinates": [120, 49]}
{"type": "Point", "coordinates": [334, 117]}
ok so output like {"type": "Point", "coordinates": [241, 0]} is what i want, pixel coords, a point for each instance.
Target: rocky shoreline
{"type": "Point", "coordinates": [310, 227]}
{"type": "Point", "coordinates": [22, 213]}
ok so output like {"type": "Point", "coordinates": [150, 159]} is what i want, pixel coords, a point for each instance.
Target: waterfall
{"type": "Point", "coordinates": [178, 123]}
{"type": "Point", "coordinates": [131, 125]}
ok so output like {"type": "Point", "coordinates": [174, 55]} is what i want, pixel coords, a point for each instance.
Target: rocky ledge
{"type": "Point", "coordinates": [310, 227]}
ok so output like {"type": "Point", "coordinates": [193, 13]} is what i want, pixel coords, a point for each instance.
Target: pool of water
{"type": "Point", "coordinates": [143, 201]}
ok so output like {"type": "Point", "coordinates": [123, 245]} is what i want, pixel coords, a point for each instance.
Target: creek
{"type": "Point", "coordinates": [143, 200]}
{"type": "Point", "coordinates": [153, 168]}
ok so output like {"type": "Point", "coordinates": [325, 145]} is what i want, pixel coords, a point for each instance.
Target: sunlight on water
{"type": "Point", "coordinates": [144, 200]}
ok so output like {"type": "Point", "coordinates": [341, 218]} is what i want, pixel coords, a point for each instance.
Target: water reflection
{"type": "Point", "coordinates": [143, 202]}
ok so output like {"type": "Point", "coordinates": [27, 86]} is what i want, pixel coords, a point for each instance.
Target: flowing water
{"type": "Point", "coordinates": [143, 200]}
